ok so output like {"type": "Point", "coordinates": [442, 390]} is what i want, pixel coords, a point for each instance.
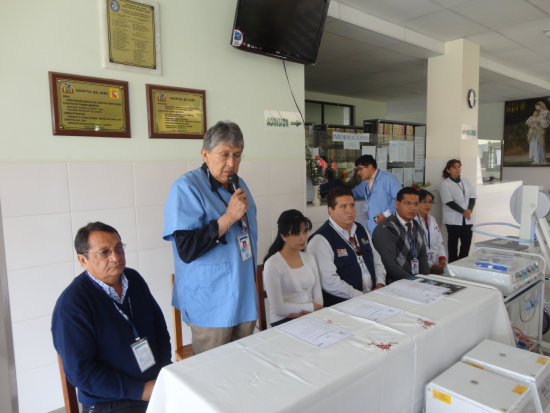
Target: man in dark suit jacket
{"type": "Point", "coordinates": [399, 239]}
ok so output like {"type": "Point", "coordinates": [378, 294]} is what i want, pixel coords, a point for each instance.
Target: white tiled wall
{"type": "Point", "coordinates": [44, 204]}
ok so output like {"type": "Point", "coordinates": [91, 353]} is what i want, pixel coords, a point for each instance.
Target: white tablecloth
{"type": "Point", "coordinates": [382, 368]}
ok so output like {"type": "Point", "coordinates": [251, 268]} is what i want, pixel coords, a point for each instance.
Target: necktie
{"type": "Point", "coordinates": [409, 229]}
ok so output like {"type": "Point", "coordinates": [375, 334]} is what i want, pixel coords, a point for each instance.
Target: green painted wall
{"type": "Point", "coordinates": [65, 36]}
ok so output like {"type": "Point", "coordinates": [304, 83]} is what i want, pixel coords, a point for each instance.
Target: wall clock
{"type": "Point", "coordinates": [472, 98]}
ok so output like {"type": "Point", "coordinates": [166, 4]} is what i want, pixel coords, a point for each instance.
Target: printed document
{"type": "Point", "coordinates": [314, 332]}
{"type": "Point", "coordinates": [367, 309]}
{"type": "Point", "coordinates": [414, 292]}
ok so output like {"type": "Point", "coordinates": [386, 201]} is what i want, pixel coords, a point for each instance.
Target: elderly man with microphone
{"type": "Point", "coordinates": [210, 218]}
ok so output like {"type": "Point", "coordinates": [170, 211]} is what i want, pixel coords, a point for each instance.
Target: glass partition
{"type": "Point", "coordinates": [490, 156]}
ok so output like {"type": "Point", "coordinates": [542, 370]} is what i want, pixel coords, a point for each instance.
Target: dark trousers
{"type": "Point", "coordinates": [118, 406]}
{"type": "Point", "coordinates": [455, 233]}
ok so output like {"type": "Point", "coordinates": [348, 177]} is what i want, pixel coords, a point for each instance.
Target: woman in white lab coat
{"type": "Point", "coordinates": [437, 258]}
{"type": "Point", "coordinates": [458, 197]}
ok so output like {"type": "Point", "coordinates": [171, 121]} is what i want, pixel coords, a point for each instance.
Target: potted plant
{"type": "Point", "coordinates": [315, 171]}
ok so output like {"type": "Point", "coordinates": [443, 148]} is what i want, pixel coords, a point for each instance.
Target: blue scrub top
{"type": "Point", "coordinates": [218, 288]}
{"type": "Point", "coordinates": [381, 198]}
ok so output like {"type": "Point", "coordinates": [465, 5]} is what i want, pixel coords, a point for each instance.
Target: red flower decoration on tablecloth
{"type": "Point", "coordinates": [425, 323]}
{"type": "Point", "coordinates": [385, 346]}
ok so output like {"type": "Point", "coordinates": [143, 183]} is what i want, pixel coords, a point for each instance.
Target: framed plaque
{"type": "Point", "coordinates": [175, 112]}
{"type": "Point", "coordinates": [131, 33]}
{"type": "Point", "coordinates": [89, 106]}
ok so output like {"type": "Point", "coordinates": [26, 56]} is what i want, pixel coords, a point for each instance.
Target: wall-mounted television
{"type": "Point", "coordinates": [286, 29]}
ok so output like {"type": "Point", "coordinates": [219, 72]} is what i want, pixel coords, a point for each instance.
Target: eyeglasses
{"type": "Point", "coordinates": [409, 203]}
{"type": "Point", "coordinates": [224, 156]}
{"type": "Point", "coordinates": [105, 254]}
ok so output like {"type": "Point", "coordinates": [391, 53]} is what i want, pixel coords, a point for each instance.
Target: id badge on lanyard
{"type": "Point", "coordinates": [141, 349]}
{"type": "Point", "coordinates": [243, 239]}
{"type": "Point", "coordinates": [415, 266]}
{"type": "Point", "coordinates": [143, 354]}
{"type": "Point", "coordinates": [244, 246]}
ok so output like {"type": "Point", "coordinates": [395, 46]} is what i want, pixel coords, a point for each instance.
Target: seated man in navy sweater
{"type": "Point", "coordinates": [108, 328]}
{"type": "Point", "coordinates": [348, 264]}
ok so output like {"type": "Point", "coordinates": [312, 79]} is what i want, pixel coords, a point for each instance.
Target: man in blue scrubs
{"type": "Point", "coordinates": [379, 190]}
{"type": "Point", "coordinates": [214, 233]}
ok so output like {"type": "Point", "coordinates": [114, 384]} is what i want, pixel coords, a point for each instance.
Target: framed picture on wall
{"type": "Point", "coordinates": [527, 132]}
{"type": "Point", "coordinates": [89, 106]}
{"type": "Point", "coordinates": [175, 112]}
{"type": "Point", "coordinates": [130, 35]}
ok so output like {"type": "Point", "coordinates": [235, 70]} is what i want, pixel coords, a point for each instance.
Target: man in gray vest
{"type": "Point", "coordinates": [349, 265]}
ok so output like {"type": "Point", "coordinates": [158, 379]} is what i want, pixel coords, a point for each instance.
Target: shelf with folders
{"type": "Point", "coordinates": [320, 137]}
{"type": "Point", "coordinates": [400, 148]}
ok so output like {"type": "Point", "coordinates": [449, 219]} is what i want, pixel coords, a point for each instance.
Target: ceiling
{"type": "Point", "coordinates": [378, 49]}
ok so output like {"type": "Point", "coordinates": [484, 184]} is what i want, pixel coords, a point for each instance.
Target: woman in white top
{"type": "Point", "coordinates": [458, 197]}
{"type": "Point", "coordinates": [437, 259]}
{"type": "Point", "coordinates": [291, 278]}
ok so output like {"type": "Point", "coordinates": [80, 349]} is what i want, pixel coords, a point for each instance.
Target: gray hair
{"type": "Point", "coordinates": [223, 132]}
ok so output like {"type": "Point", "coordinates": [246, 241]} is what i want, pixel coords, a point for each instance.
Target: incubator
{"type": "Point", "coordinates": [516, 265]}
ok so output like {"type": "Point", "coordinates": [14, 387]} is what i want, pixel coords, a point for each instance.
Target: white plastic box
{"type": "Point", "coordinates": [466, 389]}
{"type": "Point", "coordinates": [509, 271]}
{"type": "Point", "coordinates": [531, 369]}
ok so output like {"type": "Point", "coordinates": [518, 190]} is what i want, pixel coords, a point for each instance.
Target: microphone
{"type": "Point", "coordinates": [233, 181]}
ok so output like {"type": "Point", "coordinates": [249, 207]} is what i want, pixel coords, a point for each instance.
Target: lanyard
{"type": "Point", "coordinates": [462, 188]}
{"type": "Point", "coordinates": [359, 256]}
{"type": "Point", "coordinates": [128, 320]}
{"type": "Point", "coordinates": [368, 192]}
{"type": "Point", "coordinates": [344, 238]}
{"type": "Point", "coordinates": [221, 199]}
{"type": "Point", "coordinates": [411, 243]}
{"type": "Point", "coordinates": [426, 224]}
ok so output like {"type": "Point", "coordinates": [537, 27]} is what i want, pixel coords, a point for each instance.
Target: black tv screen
{"type": "Point", "coordinates": [287, 29]}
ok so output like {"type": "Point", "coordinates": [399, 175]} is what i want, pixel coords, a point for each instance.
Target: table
{"type": "Point", "coordinates": [382, 368]}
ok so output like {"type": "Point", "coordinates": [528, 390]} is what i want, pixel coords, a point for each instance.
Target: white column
{"type": "Point", "coordinates": [450, 76]}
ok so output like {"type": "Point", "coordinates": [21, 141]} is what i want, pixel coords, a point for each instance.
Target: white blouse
{"type": "Point", "coordinates": [291, 290]}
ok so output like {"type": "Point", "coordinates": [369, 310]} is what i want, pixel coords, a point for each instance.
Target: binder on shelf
{"type": "Point", "coordinates": [381, 133]}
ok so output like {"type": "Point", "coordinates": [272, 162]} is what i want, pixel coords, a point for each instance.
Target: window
{"type": "Point", "coordinates": [320, 113]}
